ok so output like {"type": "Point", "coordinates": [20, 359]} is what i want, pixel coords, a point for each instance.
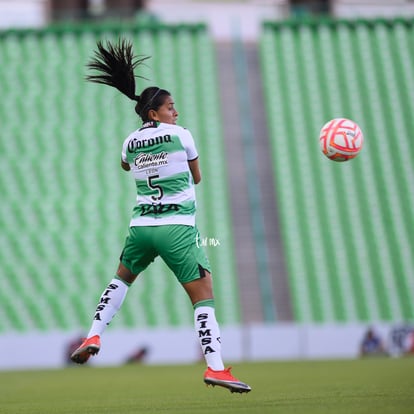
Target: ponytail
{"type": "Point", "coordinates": [115, 64]}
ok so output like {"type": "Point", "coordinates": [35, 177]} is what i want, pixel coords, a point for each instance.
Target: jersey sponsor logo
{"type": "Point", "coordinates": [136, 144]}
{"type": "Point", "coordinates": [157, 208]}
{"type": "Point", "coordinates": [144, 160]}
{"type": "Point", "coordinates": [150, 124]}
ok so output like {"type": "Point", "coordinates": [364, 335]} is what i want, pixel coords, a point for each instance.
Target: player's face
{"type": "Point", "coordinates": [166, 113]}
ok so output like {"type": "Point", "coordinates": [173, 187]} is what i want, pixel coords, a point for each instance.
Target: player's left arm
{"type": "Point", "coordinates": [125, 166]}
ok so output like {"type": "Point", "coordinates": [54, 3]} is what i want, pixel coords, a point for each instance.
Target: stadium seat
{"type": "Point", "coordinates": [65, 207]}
{"type": "Point", "coordinates": [345, 226]}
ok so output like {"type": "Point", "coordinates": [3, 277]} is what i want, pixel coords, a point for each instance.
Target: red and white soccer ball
{"type": "Point", "coordinates": [341, 139]}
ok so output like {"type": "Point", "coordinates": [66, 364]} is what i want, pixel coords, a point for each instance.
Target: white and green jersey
{"type": "Point", "coordinates": [158, 156]}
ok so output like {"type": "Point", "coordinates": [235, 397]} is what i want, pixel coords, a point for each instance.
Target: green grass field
{"type": "Point", "coordinates": [312, 387]}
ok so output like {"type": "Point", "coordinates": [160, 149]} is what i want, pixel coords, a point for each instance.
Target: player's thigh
{"type": "Point", "coordinates": [138, 251]}
{"type": "Point", "coordinates": [179, 247]}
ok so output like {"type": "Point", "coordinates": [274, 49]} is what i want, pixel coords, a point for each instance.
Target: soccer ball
{"type": "Point", "coordinates": [341, 139]}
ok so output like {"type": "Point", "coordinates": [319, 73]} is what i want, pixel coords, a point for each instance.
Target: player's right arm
{"type": "Point", "coordinates": [195, 170]}
{"type": "Point", "coordinates": [192, 155]}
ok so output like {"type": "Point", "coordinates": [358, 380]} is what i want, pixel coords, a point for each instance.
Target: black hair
{"type": "Point", "coordinates": [150, 98]}
{"type": "Point", "coordinates": [116, 64]}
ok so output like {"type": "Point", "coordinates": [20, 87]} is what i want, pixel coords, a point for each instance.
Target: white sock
{"type": "Point", "coordinates": [208, 333]}
{"type": "Point", "coordinates": [109, 304]}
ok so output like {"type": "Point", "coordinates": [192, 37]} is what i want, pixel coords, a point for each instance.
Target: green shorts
{"type": "Point", "coordinates": [176, 244]}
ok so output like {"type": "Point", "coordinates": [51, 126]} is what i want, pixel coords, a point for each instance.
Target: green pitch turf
{"type": "Point", "coordinates": [314, 387]}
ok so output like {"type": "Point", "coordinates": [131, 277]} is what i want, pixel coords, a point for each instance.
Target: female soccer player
{"type": "Point", "coordinates": [163, 160]}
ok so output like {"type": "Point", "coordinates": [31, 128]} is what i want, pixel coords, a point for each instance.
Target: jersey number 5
{"type": "Point", "coordinates": [154, 186]}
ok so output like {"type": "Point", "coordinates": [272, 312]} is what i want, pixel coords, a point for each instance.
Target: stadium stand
{"type": "Point", "coordinates": [64, 209]}
{"type": "Point", "coordinates": [347, 228]}
{"type": "Point", "coordinates": [65, 206]}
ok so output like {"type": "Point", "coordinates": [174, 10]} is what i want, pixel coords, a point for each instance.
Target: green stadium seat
{"type": "Point", "coordinates": [345, 226]}
{"type": "Point", "coordinates": [65, 208]}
